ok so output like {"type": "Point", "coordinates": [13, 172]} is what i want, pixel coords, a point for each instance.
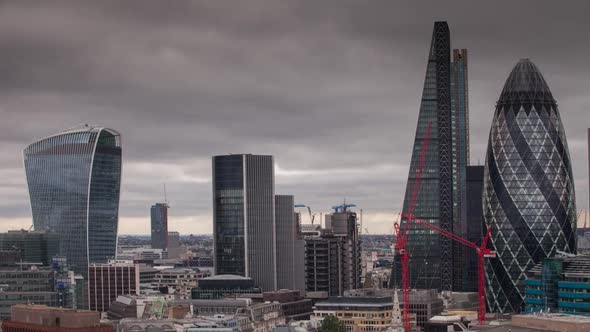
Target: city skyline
{"type": "Point", "coordinates": [334, 102]}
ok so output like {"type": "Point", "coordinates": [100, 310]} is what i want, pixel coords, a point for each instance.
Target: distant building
{"type": "Point", "coordinates": [107, 281]}
{"type": "Point", "coordinates": [175, 248]}
{"type": "Point", "coordinates": [333, 259]}
{"type": "Point", "coordinates": [560, 284]}
{"type": "Point", "coordinates": [40, 318]}
{"type": "Point", "coordinates": [244, 218]}
{"type": "Point", "coordinates": [74, 180]}
{"type": "Point", "coordinates": [28, 246]}
{"type": "Point", "coordinates": [159, 223]}
{"type": "Point", "coordinates": [180, 280]}
{"type": "Point", "coordinates": [221, 286]}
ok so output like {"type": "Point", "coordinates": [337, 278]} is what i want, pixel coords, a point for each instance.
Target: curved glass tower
{"type": "Point", "coordinates": [74, 180]}
{"type": "Point", "coordinates": [528, 195]}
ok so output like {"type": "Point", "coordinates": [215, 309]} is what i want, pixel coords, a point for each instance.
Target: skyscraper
{"type": "Point", "coordinates": [159, 223]}
{"type": "Point", "coordinates": [528, 196]}
{"type": "Point", "coordinates": [288, 250]}
{"type": "Point", "coordinates": [474, 229]}
{"type": "Point", "coordinates": [244, 218]}
{"type": "Point", "coordinates": [431, 255]}
{"type": "Point", "coordinates": [74, 180]}
{"type": "Point", "coordinates": [460, 161]}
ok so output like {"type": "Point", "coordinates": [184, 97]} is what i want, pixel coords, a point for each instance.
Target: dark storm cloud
{"type": "Point", "coordinates": [331, 88]}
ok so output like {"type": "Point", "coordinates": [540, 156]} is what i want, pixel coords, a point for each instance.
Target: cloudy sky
{"type": "Point", "coordinates": [330, 88]}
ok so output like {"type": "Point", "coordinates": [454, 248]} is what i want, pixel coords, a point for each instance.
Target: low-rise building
{"type": "Point", "coordinates": [40, 318]}
{"type": "Point", "coordinates": [552, 322]}
{"type": "Point", "coordinates": [559, 284]}
{"type": "Point", "coordinates": [107, 281]}
{"type": "Point", "coordinates": [359, 314]}
{"type": "Point", "coordinates": [181, 280]}
{"type": "Point", "coordinates": [225, 285]}
{"type": "Point", "coordinates": [293, 306]}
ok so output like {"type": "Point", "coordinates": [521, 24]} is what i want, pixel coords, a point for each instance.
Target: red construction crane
{"type": "Point", "coordinates": [482, 253]}
{"type": "Point", "coordinates": [402, 239]}
{"type": "Point", "coordinates": [402, 236]}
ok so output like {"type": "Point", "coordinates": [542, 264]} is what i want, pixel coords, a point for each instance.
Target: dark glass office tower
{"type": "Point", "coordinates": [460, 161]}
{"type": "Point", "coordinates": [244, 218]}
{"type": "Point", "coordinates": [74, 180]}
{"type": "Point", "coordinates": [475, 233]}
{"type": "Point", "coordinates": [159, 223]}
{"type": "Point", "coordinates": [431, 256]}
{"type": "Point", "coordinates": [528, 197]}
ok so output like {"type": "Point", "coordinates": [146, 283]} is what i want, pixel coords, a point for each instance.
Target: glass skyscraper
{"type": "Point", "coordinates": [159, 225]}
{"type": "Point", "coordinates": [528, 196]}
{"type": "Point", "coordinates": [74, 180]}
{"type": "Point", "coordinates": [431, 256]}
{"type": "Point", "coordinates": [244, 225]}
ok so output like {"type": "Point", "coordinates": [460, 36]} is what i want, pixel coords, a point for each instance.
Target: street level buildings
{"type": "Point", "coordinates": [40, 318]}
{"type": "Point", "coordinates": [528, 197]}
{"type": "Point", "coordinates": [74, 180]}
{"type": "Point", "coordinates": [244, 225]}
{"type": "Point", "coordinates": [159, 225]}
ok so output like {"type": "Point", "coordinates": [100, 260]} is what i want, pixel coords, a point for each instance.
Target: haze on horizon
{"type": "Point", "coordinates": [331, 89]}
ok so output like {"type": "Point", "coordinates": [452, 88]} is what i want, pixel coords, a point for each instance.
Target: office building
{"type": "Point", "coordinates": [293, 306]}
{"type": "Point", "coordinates": [431, 255]}
{"type": "Point", "coordinates": [221, 286]}
{"type": "Point", "coordinates": [475, 231]}
{"type": "Point", "coordinates": [559, 284]}
{"type": "Point", "coordinates": [40, 318]}
{"type": "Point", "coordinates": [333, 259]}
{"type": "Point", "coordinates": [528, 195]}
{"type": "Point", "coordinates": [159, 223]}
{"type": "Point", "coordinates": [28, 247]}
{"type": "Point", "coordinates": [74, 179]}
{"type": "Point", "coordinates": [424, 303]}
{"type": "Point", "coordinates": [107, 281]}
{"type": "Point", "coordinates": [359, 314]}
{"type": "Point", "coordinates": [244, 218]}
{"type": "Point", "coordinates": [460, 162]}
{"type": "Point", "coordinates": [26, 286]}
{"type": "Point", "coordinates": [290, 245]}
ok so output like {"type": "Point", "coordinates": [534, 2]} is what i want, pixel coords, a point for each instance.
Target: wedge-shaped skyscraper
{"type": "Point", "coordinates": [74, 180]}
{"type": "Point", "coordinates": [528, 196]}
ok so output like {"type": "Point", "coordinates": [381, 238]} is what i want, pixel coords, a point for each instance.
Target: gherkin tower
{"type": "Point", "coordinates": [528, 196]}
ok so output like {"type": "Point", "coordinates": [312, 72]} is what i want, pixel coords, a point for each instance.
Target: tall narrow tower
{"type": "Point", "coordinates": [528, 195]}
{"type": "Point", "coordinates": [244, 228]}
{"type": "Point", "coordinates": [431, 255]}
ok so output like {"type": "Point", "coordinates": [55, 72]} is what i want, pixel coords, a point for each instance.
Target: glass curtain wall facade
{"type": "Point", "coordinates": [528, 196]}
{"type": "Point", "coordinates": [159, 223]}
{"type": "Point", "coordinates": [430, 254]}
{"type": "Point", "coordinates": [74, 181]}
{"type": "Point", "coordinates": [244, 218]}
{"type": "Point", "coordinates": [460, 158]}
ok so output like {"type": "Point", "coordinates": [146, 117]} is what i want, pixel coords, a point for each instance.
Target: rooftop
{"type": "Point", "coordinates": [226, 277]}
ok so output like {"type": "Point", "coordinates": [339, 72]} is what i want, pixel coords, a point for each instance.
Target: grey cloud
{"type": "Point", "coordinates": [322, 85]}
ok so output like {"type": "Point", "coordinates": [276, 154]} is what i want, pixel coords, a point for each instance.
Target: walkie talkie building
{"type": "Point", "coordinates": [528, 196]}
{"type": "Point", "coordinates": [74, 181]}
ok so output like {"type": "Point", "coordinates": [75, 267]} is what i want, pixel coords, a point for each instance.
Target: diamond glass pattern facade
{"type": "Point", "coordinates": [74, 180]}
{"type": "Point", "coordinates": [528, 196]}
